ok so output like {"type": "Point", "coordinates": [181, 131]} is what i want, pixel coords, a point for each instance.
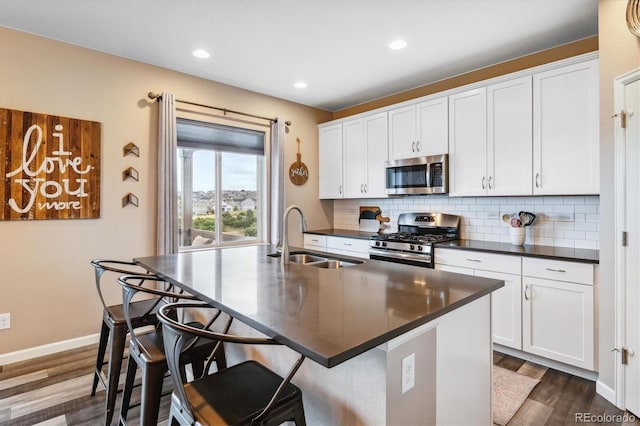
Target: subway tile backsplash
{"type": "Point", "coordinates": [561, 221]}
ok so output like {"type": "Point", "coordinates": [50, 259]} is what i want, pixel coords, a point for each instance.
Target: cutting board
{"type": "Point", "coordinates": [369, 225]}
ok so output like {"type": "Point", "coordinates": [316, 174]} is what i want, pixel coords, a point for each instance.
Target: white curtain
{"type": "Point", "coordinates": [167, 231]}
{"type": "Point", "coordinates": [277, 201]}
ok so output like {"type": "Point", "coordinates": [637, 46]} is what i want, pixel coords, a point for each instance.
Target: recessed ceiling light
{"type": "Point", "coordinates": [300, 85]}
{"type": "Point", "coordinates": [201, 53]}
{"type": "Point", "coordinates": [398, 44]}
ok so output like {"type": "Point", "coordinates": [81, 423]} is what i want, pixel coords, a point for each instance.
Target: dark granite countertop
{"type": "Point", "coordinates": [329, 315]}
{"type": "Point", "coordinates": [548, 252]}
{"type": "Point", "coordinates": [346, 233]}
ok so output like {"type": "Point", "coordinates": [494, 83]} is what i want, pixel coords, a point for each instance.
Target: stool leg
{"type": "Point", "coordinates": [128, 387]}
{"type": "Point", "coordinates": [299, 418]}
{"type": "Point", "coordinates": [152, 378]}
{"type": "Point", "coordinates": [116, 350]}
{"type": "Point", "coordinates": [102, 347]}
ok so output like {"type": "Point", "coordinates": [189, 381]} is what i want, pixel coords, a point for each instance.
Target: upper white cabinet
{"type": "Point", "coordinates": [565, 137]}
{"type": "Point", "coordinates": [468, 142]}
{"type": "Point", "coordinates": [509, 137]}
{"type": "Point", "coordinates": [419, 130]}
{"type": "Point", "coordinates": [352, 156]}
{"type": "Point", "coordinates": [330, 161]}
{"type": "Point", "coordinates": [491, 140]}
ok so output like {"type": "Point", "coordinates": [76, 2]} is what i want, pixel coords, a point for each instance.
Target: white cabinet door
{"type": "Point", "coordinates": [558, 322]}
{"type": "Point", "coordinates": [468, 143]}
{"type": "Point", "coordinates": [402, 132]}
{"type": "Point", "coordinates": [433, 127]}
{"type": "Point", "coordinates": [377, 146]}
{"type": "Point", "coordinates": [330, 161]}
{"type": "Point", "coordinates": [506, 309]}
{"type": "Point", "coordinates": [353, 159]}
{"type": "Point", "coordinates": [509, 138]}
{"type": "Point", "coordinates": [565, 130]}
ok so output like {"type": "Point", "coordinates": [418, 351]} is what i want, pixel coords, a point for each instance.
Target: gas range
{"type": "Point", "coordinates": [413, 243]}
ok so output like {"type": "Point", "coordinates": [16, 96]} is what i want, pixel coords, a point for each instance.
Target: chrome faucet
{"type": "Point", "coordinates": [285, 236]}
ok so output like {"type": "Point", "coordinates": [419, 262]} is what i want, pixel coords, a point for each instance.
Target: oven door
{"type": "Point", "coordinates": [405, 258]}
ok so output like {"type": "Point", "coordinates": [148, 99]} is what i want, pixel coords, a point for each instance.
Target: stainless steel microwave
{"type": "Point", "coordinates": [420, 175]}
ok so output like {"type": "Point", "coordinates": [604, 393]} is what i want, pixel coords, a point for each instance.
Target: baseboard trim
{"type": "Point", "coordinates": [606, 392]}
{"type": "Point", "coordinates": [51, 348]}
{"type": "Point", "coordinates": [560, 366]}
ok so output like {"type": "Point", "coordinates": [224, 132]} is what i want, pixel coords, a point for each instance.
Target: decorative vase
{"type": "Point", "coordinates": [518, 235]}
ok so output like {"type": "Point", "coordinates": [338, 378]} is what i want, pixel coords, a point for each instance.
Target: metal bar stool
{"type": "Point", "coordinates": [247, 393]}
{"type": "Point", "coordinates": [146, 350]}
{"type": "Point", "coordinates": [114, 329]}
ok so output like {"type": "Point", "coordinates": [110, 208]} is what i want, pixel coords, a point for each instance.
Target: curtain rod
{"type": "Point", "coordinates": [156, 96]}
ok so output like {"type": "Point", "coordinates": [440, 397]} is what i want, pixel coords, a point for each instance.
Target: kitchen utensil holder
{"type": "Point", "coordinates": [518, 236]}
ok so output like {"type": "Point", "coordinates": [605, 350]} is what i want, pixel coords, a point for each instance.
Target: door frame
{"type": "Point", "coordinates": [619, 85]}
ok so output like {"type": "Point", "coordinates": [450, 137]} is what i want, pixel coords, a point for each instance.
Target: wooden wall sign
{"type": "Point", "coordinates": [298, 172]}
{"type": "Point", "coordinates": [50, 167]}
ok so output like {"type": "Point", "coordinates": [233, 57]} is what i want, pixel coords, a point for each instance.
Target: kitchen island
{"type": "Point", "coordinates": [360, 324]}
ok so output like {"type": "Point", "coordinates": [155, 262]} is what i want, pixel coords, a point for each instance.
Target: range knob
{"type": "Point", "coordinates": [419, 248]}
{"type": "Point", "coordinates": [377, 243]}
{"type": "Point", "coordinates": [384, 244]}
{"type": "Point", "coordinates": [412, 247]}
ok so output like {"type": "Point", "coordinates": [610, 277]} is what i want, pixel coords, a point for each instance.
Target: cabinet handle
{"type": "Point", "coordinates": [340, 189]}
{"type": "Point", "coordinates": [361, 185]}
{"type": "Point", "coordinates": [555, 270]}
{"type": "Point", "coordinates": [347, 244]}
{"type": "Point", "coordinates": [526, 292]}
{"type": "Point", "coordinates": [413, 146]}
{"type": "Point", "coordinates": [418, 146]}
{"type": "Point", "coordinates": [365, 188]}
{"type": "Point", "coordinates": [537, 180]}
{"type": "Point", "coordinates": [490, 177]}
{"type": "Point", "coordinates": [475, 260]}
{"type": "Point", "coordinates": [483, 180]}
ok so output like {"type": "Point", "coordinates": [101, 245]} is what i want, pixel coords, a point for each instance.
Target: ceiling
{"type": "Point", "coordinates": [338, 47]}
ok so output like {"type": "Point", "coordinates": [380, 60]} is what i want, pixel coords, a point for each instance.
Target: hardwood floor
{"type": "Point", "coordinates": [55, 390]}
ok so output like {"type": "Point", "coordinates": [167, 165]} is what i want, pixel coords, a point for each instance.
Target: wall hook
{"type": "Point", "coordinates": [130, 173]}
{"type": "Point", "coordinates": [129, 199]}
{"type": "Point", "coordinates": [131, 148]}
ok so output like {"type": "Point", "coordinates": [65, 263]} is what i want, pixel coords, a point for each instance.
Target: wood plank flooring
{"type": "Point", "coordinates": [55, 391]}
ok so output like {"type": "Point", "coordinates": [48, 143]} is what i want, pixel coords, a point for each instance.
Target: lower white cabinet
{"type": "Point", "coordinates": [547, 309]}
{"type": "Point", "coordinates": [315, 242]}
{"type": "Point", "coordinates": [506, 311]}
{"type": "Point", "coordinates": [558, 316]}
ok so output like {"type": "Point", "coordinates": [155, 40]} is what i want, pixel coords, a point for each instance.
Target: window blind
{"type": "Point", "coordinates": [199, 134]}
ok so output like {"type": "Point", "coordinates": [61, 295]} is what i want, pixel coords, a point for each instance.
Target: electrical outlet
{"type": "Point", "coordinates": [408, 372]}
{"type": "Point", "coordinates": [5, 321]}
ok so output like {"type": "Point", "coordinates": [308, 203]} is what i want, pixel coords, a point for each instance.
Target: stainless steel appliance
{"type": "Point", "coordinates": [421, 175]}
{"type": "Point", "coordinates": [413, 243]}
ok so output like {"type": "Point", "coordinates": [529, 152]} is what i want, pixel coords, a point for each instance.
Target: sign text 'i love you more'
{"type": "Point", "coordinates": [50, 166]}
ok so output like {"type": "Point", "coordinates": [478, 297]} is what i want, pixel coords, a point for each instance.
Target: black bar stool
{"type": "Point", "coordinates": [244, 394]}
{"type": "Point", "coordinates": [114, 328]}
{"type": "Point", "coordinates": [146, 350]}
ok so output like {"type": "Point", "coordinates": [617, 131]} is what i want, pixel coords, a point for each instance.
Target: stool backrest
{"type": "Point", "coordinates": [119, 267]}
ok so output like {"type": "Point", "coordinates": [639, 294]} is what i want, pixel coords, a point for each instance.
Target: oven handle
{"type": "Point", "coordinates": [387, 253]}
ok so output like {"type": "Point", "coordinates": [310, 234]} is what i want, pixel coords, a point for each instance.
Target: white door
{"type": "Point", "coordinates": [330, 161]}
{"type": "Point", "coordinates": [402, 133]}
{"type": "Point", "coordinates": [509, 138]}
{"type": "Point", "coordinates": [376, 137]}
{"type": "Point", "coordinates": [468, 143]}
{"type": "Point", "coordinates": [433, 127]}
{"type": "Point", "coordinates": [506, 309]}
{"type": "Point", "coordinates": [627, 99]}
{"type": "Point", "coordinates": [353, 159]}
{"type": "Point", "coordinates": [566, 147]}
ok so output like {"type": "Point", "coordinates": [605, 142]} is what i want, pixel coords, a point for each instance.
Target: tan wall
{"type": "Point", "coordinates": [619, 54]}
{"type": "Point", "coordinates": [46, 282]}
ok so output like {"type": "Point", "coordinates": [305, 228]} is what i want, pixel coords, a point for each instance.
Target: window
{"type": "Point", "coordinates": [221, 181]}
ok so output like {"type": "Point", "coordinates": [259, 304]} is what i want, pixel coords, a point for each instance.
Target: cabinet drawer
{"type": "Point", "coordinates": [349, 244]}
{"type": "Point", "coordinates": [558, 270]}
{"type": "Point", "coordinates": [479, 260]}
{"type": "Point", "coordinates": [314, 240]}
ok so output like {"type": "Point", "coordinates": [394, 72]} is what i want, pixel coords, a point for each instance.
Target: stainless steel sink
{"type": "Point", "coordinates": [305, 258]}
{"type": "Point", "coordinates": [309, 259]}
{"type": "Point", "coordinates": [332, 264]}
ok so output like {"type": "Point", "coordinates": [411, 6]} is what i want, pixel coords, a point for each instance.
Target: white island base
{"type": "Point", "coordinates": [452, 382]}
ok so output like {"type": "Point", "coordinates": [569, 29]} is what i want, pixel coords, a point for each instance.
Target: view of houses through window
{"type": "Point", "coordinates": [219, 196]}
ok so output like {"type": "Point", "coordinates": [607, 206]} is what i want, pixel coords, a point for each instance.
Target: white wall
{"type": "Point", "coordinates": [570, 221]}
